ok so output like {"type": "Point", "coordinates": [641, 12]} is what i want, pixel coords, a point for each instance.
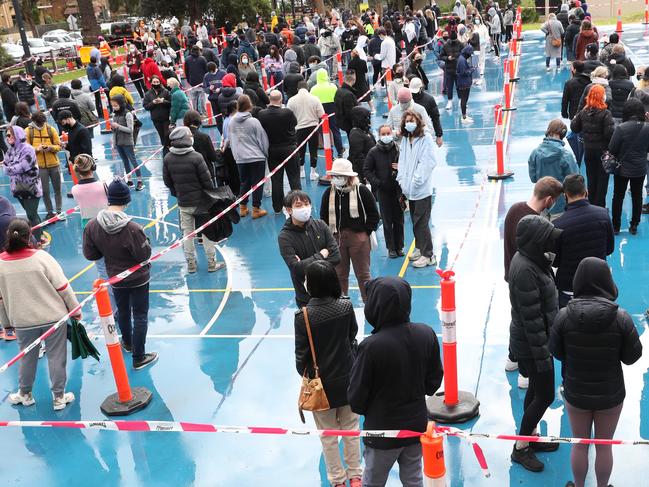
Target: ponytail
{"type": "Point", "coordinates": [19, 235]}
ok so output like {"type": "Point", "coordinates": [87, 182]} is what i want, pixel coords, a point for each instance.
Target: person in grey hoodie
{"type": "Point", "coordinates": [122, 243]}
{"type": "Point", "coordinates": [249, 143]}
{"type": "Point", "coordinates": [314, 67]}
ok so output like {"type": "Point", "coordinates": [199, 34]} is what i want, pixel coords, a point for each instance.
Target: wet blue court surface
{"type": "Point", "coordinates": [226, 340]}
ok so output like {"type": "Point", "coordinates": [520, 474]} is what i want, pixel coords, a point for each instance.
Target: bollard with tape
{"type": "Point", "coordinates": [125, 71]}
{"type": "Point", "coordinates": [210, 121]}
{"type": "Point", "coordinates": [646, 13]}
{"type": "Point", "coordinates": [500, 172]}
{"type": "Point", "coordinates": [513, 78]}
{"type": "Point", "coordinates": [451, 405]}
{"type": "Point", "coordinates": [618, 25]}
{"type": "Point", "coordinates": [328, 153]}
{"type": "Point", "coordinates": [125, 401]}
{"type": "Point", "coordinates": [432, 449]}
{"type": "Point", "coordinates": [264, 76]}
{"type": "Point", "coordinates": [104, 109]}
{"type": "Point", "coordinates": [339, 62]}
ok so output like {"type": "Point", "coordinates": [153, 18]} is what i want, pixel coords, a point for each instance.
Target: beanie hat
{"type": "Point", "coordinates": [229, 81]}
{"type": "Point", "coordinates": [181, 137]}
{"type": "Point", "coordinates": [118, 193]}
{"type": "Point", "coordinates": [404, 95]}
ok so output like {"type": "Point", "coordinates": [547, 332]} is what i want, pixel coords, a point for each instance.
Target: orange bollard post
{"type": "Point", "coordinates": [104, 109]}
{"type": "Point", "coordinates": [507, 84]}
{"type": "Point", "coordinates": [618, 26]}
{"type": "Point", "coordinates": [451, 405]}
{"type": "Point", "coordinates": [210, 120]}
{"type": "Point", "coordinates": [339, 62]}
{"type": "Point", "coordinates": [432, 449]}
{"type": "Point", "coordinates": [513, 78]}
{"type": "Point", "coordinates": [328, 153]}
{"type": "Point", "coordinates": [264, 76]}
{"type": "Point", "coordinates": [125, 400]}
{"type": "Point", "coordinates": [125, 71]}
{"type": "Point", "coordinates": [500, 172]}
{"type": "Point", "coordinates": [75, 178]}
{"type": "Point", "coordinates": [646, 12]}
{"type": "Point", "coordinates": [38, 105]}
{"type": "Point", "coordinates": [388, 79]}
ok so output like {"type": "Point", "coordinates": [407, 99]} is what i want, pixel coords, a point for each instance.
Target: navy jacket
{"type": "Point", "coordinates": [587, 232]}
{"type": "Point", "coordinates": [195, 69]}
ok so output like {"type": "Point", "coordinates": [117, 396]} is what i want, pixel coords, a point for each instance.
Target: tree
{"type": "Point", "coordinates": [220, 10]}
{"type": "Point", "coordinates": [89, 26]}
{"type": "Point", "coordinates": [28, 8]}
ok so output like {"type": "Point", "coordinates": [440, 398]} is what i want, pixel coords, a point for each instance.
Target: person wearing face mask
{"type": "Point", "coordinates": [361, 139]}
{"type": "Point", "coordinates": [450, 54]}
{"type": "Point", "coordinates": [79, 140]}
{"type": "Point", "coordinates": [398, 81]}
{"type": "Point", "coordinates": [533, 297]}
{"type": "Point", "coordinates": [417, 160]}
{"type": "Point", "coordinates": [388, 54]}
{"type": "Point", "coordinates": [157, 101]}
{"type": "Point", "coordinates": [134, 61]}
{"type": "Point", "coordinates": [245, 66]}
{"type": "Point", "coordinates": [406, 103]}
{"type": "Point", "coordinates": [426, 100]}
{"type": "Point", "coordinates": [480, 47]}
{"type": "Point", "coordinates": [459, 10]}
{"type": "Point", "coordinates": [465, 70]}
{"type": "Point", "coordinates": [416, 70]}
{"type": "Point", "coordinates": [304, 240]}
{"type": "Point", "coordinates": [349, 209]}
{"type": "Point", "coordinates": [345, 100]}
{"type": "Point", "coordinates": [380, 170]}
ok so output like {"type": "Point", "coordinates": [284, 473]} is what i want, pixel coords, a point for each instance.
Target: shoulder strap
{"type": "Point", "coordinates": [30, 135]}
{"type": "Point", "coordinates": [308, 332]}
{"type": "Point", "coordinates": [49, 132]}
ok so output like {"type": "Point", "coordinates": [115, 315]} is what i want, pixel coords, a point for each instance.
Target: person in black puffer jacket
{"type": "Point", "coordinates": [292, 79]}
{"type": "Point", "coordinates": [573, 89]}
{"type": "Point", "coordinates": [252, 84]}
{"type": "Point", "coordinates": [533, 297]}
{"type": "Point", "coordinates": [380, 171]}
{"type": "Point", "coordinates": [65, 102]}
{"type": "Point", "coordinates": [361, 139]}
{"type": "Point", "coordinates": [618, 57]}
{"type": "Point", "coordinates": [591, 336]}
{"type": "Point", "coordinates": [157, 101]}
{"type": "Point", "coordinates": [595, 124]}
{"type": "Point", "coordinates": [450, 54]}
{"type": "Point", "coordinates": [333, 327]}
{"type": "Point", "coordinates": [202, 141]}
{"type": "Point", "coordinates": [24, 87]}
{"type": "Point", "coordinates": [397, 366]}
{"type": "Point", "coordinates": [630, 145]}
{"type": "Point", "coordinates": [621, 86]}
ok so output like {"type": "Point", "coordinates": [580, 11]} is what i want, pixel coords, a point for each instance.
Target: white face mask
{"type": "Point", "coordinates": [302, 214]}
{"type": "Point", "coordinates": [386, 139]}
{"type": "Point", "coordinates": [244, 61]}
{"type": "Point", "coordinates": [411, 126]}
{"type": "Point", "coordinates": [339, 181]}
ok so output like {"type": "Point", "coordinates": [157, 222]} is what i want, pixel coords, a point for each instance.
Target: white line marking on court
{"type": "Point", "coordinates": [284, 336]}
{"type": "Point", "coordinates": [226, 295]}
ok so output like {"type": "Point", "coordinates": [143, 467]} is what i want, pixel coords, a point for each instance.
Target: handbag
{"type": "Point", "coordinates": [610, 163]}
{"type": "Point", "coordinates": [556, 42]}
{"type": "Point", "coordinates": [312, 394]}
{"type": "Point", "coordinates": [23, 191]}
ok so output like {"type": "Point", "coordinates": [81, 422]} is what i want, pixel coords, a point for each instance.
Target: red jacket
{"type": "Point", "coordinates": [149, 68]}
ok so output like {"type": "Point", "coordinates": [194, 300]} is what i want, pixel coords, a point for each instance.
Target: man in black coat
{"type": "Point", "coordinates": [533, 297]}
{"type": "Point", "coordinates": [279, 124]}
{"type": "Point", "coordinates": [587, 232]}
{"type": "Point", "coordinates": [396, 367]}
{"type": "Point", "coordinates": [24, 88]}
{"type": "Point", "coordinates": [157, 101]}
{"type": "Point", "coordinates": [202, 142]}
{"type": "Point", "coordinates": [304, 240]}
{"type": "Point", "coordinates": [344, 101]}
{"type": "Point", "coordinates": [65, 103]}
{"type": "Point", "coordinates": [9, 98]}
{"type": "Point", "coordinates": [426, 100]}
{"type": "Point", "coordinates": [416, 70]}
{"type": "Point", "coordinates": [450, 54]}
{"type": "Point", "coordinates": [573, 89]}
{"type": "Point", "coordinates": [185, 173]}
{"type": "Point", "coordinates": [195, 70]}
{"type": "Point", "coordinates": [79, 140]}
{"type": "Point", "coordinates": [361, 139]}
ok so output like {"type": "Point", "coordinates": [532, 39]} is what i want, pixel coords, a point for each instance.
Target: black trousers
{"type": "Point", "coordinates": [539, 396]}
{"type": "Point", "coordinates": [276, 155]}
{"type": "Point", "coordinates": [449, 83]}
{"type": "Point", "coordinates": [98, 104]}
{"type": "Point", "coordinates": [620, 183]}
{"type": "Point", "coordinates": [464, 98]}
{"type": "Point", "coordinates": [139, 86]}
{"type": "Point", "coordinates": [392, 216]}
{"type": "Point", "coordinates": [301, 135]}
{"type": "Point", "coordinates": [420, 215]}
{"type": "Point", "coordinates": [250, 174]}
{"type": "Point", "coordinates": [376, 68]}
{"type": "Point", "coordinates": [162, 128]}
{"type": "Point", "coordinates": [597, 177]}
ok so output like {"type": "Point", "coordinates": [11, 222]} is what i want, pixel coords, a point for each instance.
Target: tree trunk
{"type": "Point", "coordinates": [194, 10]}
{"type": "Point", "coordinates": [89, 26]}
{"type": "Point", "coordinates": [319, 6]}
{"type": "Point", "coordinates": [27, 7]}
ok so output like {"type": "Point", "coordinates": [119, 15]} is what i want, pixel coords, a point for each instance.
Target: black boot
{"type": "Point", "coordinates": [527, 458]}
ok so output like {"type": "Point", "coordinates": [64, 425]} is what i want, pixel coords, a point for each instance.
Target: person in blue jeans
{"type": "Point", "coordinates": [113, 236]}
{"type": "Point", "coordinates": [123, 125]}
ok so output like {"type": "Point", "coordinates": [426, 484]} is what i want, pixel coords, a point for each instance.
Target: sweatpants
{"type": "Point", "coordinates": [538, 397]}
{"type": "Point", "coordinates": [341, 418]}
{"type": "Point", "coordinates": [187, 226]}
{"type": "Point", "coordinates": [276, 155]}
{"type": "Point", "coordinates": [57, 356]}
{"type": "Point", "coordinates": [250, 174]}
{"type": "Point", "coordinates": [495, 40]}
{"type": "Point", "coordinates": [464, 98]}
{"type": "Point", "coordinates": [420, 215]}
{"type": "Point", "coordinates": [392, 216]}
{"type": "Point", "coordinates": [582, 423]}
{"type": "Point", "coordinates": [378, 464]}
{"type": "Point", "coordinates": [51, 174]}
{"type": "Point", "coordinates": [355, 248]}
{"type": "Point", "coordinates": [133, 302]}
{"type": "Point", "coordinates": [597, 177]}
{"type": "Point", "coordinates": [301, 135]}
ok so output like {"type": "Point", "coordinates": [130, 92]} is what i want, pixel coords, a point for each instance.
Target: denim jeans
{"type": "Point", "coordinates": [133, 302]}
{"type": "Point", "coordinates": [127, 154]}
{"type": "Point", "coordinates": [197, 100]}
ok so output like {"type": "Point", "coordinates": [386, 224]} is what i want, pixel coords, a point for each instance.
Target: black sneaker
{"type": "Point", "coordinates": [400, 253]}
{"type": "Point", "coordinates": [570, 483]}
{"type": "Point", "coordinates": [645, 208]}
{"type": "Point", "coordinates": [129, 183]}
{"type": "Point", "coordinates": [149, 358]}
{"type": "Point", "coordinates": [140, 186]}
{"type": "Point", "coordinates": [541, 446]}
{"type": "Point", "coordinates": [392, 254]}
{"type": "Point", "coordinates": [50, 215]}
{"type": "Point", "coordinates": [125, 347]}
{"type": "Point", "coordinates": [527, 459]}
{"type": "Point", "coordinates": [633, 229]}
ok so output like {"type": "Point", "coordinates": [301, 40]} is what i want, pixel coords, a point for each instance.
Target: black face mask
{"type": "Point", "coordinates": [398, 74]}
{"type": "Point", "coordinates": [156, 87]}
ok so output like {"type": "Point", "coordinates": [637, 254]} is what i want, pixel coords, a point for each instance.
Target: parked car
{"type": "Point", "coordinates": [39, 47]}
{"type": "Point", "coordinates": [16, 52]}
{"type": "Point", "coordinates": [61, 41]}
{"type": "Point", "coordinates": [120, 30]}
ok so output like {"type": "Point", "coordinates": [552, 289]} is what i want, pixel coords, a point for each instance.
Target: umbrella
{"type": "Point", "coordinates": [81, 344]}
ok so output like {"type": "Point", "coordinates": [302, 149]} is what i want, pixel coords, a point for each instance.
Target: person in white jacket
{"type": "Point", "coordinates": [388, 53]}
{"type": "Point", "coordinates": [459, 10]}
{"type": "Point", "coordinates": [483, 32]}
{"type": "Point", "coordinates": [415, 177]}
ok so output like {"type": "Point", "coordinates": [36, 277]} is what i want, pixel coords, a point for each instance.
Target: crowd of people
{"type": "Point", "coordinates": [376, 178]}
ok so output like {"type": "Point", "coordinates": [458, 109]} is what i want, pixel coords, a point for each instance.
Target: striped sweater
{"type": "Point", "coordinates": [33, 289]}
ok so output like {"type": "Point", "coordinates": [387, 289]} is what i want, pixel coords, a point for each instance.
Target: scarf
{"type": "Point", "coordinates": [353, 203]}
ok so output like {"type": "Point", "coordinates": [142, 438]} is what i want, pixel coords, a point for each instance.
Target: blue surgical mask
{"type": "Point", "coordinates": [411, 126]}
{"type": "Point", "coordinates": [386, 139]}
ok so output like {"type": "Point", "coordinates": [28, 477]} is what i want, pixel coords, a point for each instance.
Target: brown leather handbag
{"type": "Point", "coordinates": [312, 394]}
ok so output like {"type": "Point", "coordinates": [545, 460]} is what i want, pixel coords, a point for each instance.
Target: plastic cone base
{"type": "Point", "coordinates": [468, 407]}
{"type": "Point", "coordinates": [505, 174]}
{"type": "Point", "coordinates": [510, 109]}
{"type": "Point", "coordinates": [113, 407]}
{"type": "Point", "coordinates": [324, 181]}
{"type": "Point", "coordinates": [208, 124]}
{"type": "Point", "coordinates": [104, 131]}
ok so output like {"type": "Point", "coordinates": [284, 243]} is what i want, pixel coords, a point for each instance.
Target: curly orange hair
{"type": "Point", "coordinates": [596, 98]}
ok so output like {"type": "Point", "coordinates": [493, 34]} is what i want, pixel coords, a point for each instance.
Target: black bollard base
{"type": "Point", "coordinates": [113, 407]}
{"type": "Point", "coordinates": [495, 176]}
{"type": "Point", "coordinates": [468, 407]}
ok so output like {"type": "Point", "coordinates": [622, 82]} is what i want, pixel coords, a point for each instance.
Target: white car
{"type": "Point", "coordinates": [16, 52]}
{"type": "Point", "coordinates": [39, 47]}
{"type": "Point", "coordinates": [61, 41]}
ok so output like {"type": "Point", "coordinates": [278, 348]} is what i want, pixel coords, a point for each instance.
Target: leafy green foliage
{"type": "Point", "coordinates": [5, 58]}
{"type": "Point", "coordinates": [221, 10]}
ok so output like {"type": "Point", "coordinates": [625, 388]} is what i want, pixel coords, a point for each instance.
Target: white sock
{"type": "Point", "coordinates": [520, 445]}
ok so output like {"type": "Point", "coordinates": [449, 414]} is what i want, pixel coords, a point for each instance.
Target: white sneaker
{"type": "Point", "coordinates": [62, 216]}
{"type": "Point", "coordinates": [24, 399]}
{"type": "Point", "coordinates": [510, 366]}
{"type": "Point", "coordinates": [523, 382]}
{"type": "Point", "coordinates": [417, 254]}
{"type": "Point", "coordinates": [467, 120]}
{"type": "Point", "coordinates": [548, 69]}
{"type": "Point", "coordinates": [424, 261]}
{"type": "Point", "coordinates": [41, 350]}
{"type": "Point", "coordinates": [302, 175]}
{"type": "Point", "coordinates": [314, 175]}
{"type": "Point", "coordinates": [449, 105]}
{"type": "Point", "coordinates": [64, 400]}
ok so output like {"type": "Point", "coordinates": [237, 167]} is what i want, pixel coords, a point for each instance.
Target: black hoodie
{"type": "Point", "coordinates": [361, 139]}
{"type": "Point", "coordinates": [7, 213]}
{"type": "Point", "coordinates": [591, 336]}
{"type": "Point", "coordinates": [397, 366]}
{"type": "Point", "coordinates": [532, 292]}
